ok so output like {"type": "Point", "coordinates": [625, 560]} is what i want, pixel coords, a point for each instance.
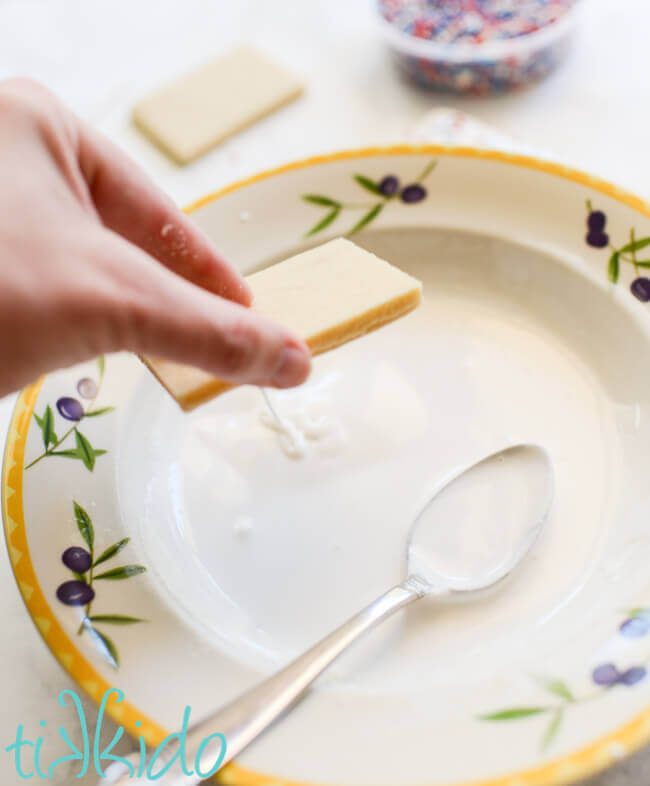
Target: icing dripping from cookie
{"type": "Point", "coordinates": [299, 430]}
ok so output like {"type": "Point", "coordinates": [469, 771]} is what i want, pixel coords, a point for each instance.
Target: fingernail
{"type": "Point", "coordinates": [246, 293]}
{"type": "Point", "coordinates": [293, 369]}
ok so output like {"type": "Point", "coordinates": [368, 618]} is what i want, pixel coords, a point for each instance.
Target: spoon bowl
{"type": "Point", "coordinates": [481, 521]}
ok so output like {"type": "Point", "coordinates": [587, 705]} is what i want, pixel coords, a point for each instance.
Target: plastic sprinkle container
{"type": "Point", "coordinates": [477, 46]}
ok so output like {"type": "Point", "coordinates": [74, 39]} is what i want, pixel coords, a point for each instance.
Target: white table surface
{"type": "Point", "coordinates": [99, 55]}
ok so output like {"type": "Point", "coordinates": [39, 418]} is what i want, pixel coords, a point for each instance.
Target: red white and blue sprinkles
{"type": "Point", "coordinates": [473, 23]}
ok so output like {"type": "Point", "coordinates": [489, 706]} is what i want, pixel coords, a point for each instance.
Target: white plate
{"type": "Point", "coordinates": [250, 556]}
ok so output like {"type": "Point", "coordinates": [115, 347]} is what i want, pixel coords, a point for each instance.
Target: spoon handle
{"type": "Point", "coordinates": [246, 717]}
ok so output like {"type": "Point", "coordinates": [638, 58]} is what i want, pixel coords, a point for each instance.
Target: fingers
{"type": "Point", "coordinates": [164, 316]}
{"type": "Point", "coordinates": [125, 199]}
{"type": "Point", "coordinates": [131, 205]}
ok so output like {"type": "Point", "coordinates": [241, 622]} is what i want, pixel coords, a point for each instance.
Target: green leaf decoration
{"type": "Point", "coordinates": [75, 453]}
{"type": "Point", "coordinates": [370, 216]}
{"type": "Point", "coordinates": [368, 184]}
{"type": "Point", "coordinates": [41, 422]}
{"type": "Point", "coordinates": [46, 424]}
{"type": "Point", "coordinates": [85, 450]}
{"type": "Point", "coordinates": [642, 263]}
{"type": "Point", "coordinates": [94, 413]}
{"type": "Point", "coordinates": [638, 612]}
{"type": "Point", "coordinates": [427, 170]}
{"type": "Point", "coordinates": [124, 572]}
{"type": "Point", "coordinates": [111, 551]}
{"type": "Point", "coordinates": [85, 525]}
{"type": "Point", "coordinates": [635, 245]}
{"type": "Point", "coordinates": [325, 222]}
{"type": "Point", "coordinates": [115, 619]}
{"type": "Point", "coordinates": [552, 728]}
{"type": "Point", "coordinates": [514, 714]}
{"type": "Point", "coordinates": [101, 364]}
{"type": "Point", "coordinates": [80, 576]}
{"type": "Point", "coordinates": [48, 427]}
{"type": "Point", "coordinates": [105, 644]}
{"type": "Point", "coordinates": [317, 199]}
{"type": "Point", "coordinates": [613, 269]}
{"type": "Point", "coordinates": [561, 689]}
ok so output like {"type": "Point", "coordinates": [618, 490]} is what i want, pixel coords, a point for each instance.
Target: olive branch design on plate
{"type": "Point", "coordinates": [597, 237]}
{"type": "Point", "coordinates": [606, 677]}
{"type": "Point", "coordinates": [72, 410]}
{"type": "Point", "coordinates": [384, 191]}
{"type": "Point", "coordinates": [80, 591]}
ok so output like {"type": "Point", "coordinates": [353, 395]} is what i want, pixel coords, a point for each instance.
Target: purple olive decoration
{"type": "Point", "coordinates": [597, 239]}
{"type": "Point", "coordinates": [70, 408]}
{"type": "Point", "coordinates": [389, 185]}
{"type": "Point", "coordinates": [87, 387]}
{"type": "Point", "coordinates": [76, 559]}
{"type": "Point", "coordinates": [413, 193]}
{"type": "Point", "coordinates": [633, 676]}
{"type": "Point", "coordinates": [596, 221]}
{"type": "Point", "coordinates": [640, 288]}
{"type": "Point", "coordinates": [75, 593]}
{"type": "Point", "coordinates": [607, 674]}
{"type": "Point", "coordinates": [635, 627]}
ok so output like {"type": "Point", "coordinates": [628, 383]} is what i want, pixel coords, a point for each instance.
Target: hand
{"type": "Point", "coordinates": [94, 259]}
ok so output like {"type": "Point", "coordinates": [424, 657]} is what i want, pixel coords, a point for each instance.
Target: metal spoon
{"type": "Point", "coordinates": [469, 536]}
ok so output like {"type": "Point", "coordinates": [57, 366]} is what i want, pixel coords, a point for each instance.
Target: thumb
{"type": "Point", "coordinates": [161, 314]}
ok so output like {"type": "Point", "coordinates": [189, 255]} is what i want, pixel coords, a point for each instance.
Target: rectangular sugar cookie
{"type": "Point", "coordinates": [327, 296]}
{"type": "Point", "coordinates": [192, 115]}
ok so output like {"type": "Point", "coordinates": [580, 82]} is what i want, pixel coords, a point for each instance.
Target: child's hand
{"type": "Point", "coordinates": [94, 258]}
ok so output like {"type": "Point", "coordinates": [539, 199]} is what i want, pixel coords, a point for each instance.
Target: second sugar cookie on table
{"type": "Point", "coordinates": [202, 109]}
